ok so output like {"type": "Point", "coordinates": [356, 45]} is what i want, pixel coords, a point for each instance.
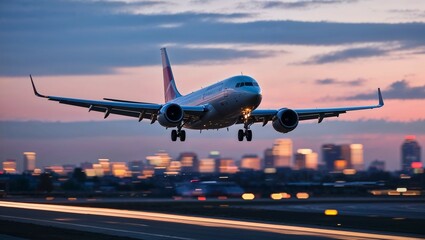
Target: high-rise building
{"type": "Point", "coordinates": [174, 168]}
{"type": "Point", "coordinates": [136, 168]}
{"type": "Point", "coordinates": [9, 166]}
{"type": "Point", "coordinates": [252, 162]}
{"type": "Point", "coordinates": [330, 153]}
{"type": "Point", "coordinates": [207, 165]}
{"type": "Point", "coordinates": [29, 161]}
{"type": "Point", "coordinates": [356, 157]}
{"type": "Point", "coordinates": [160, 160]}
{"type": "Point", "coordinates": [347, 155]}
{"type": "Point", "coordinates": [282, 152]}
{"type": "Point", "coordinates": [216, 156]}
{"type": "Point", "coordinates": [227, 166]}
{"type": "Point", "coordinates": [189, 162]}
{"type": "Point", "coordinates": [410, 153]}
{"type": "Point", "coordinates": [305, 159]}
{"type": "Point", "coordinates": [268, 158]}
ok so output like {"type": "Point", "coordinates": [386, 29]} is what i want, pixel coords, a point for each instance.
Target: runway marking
{"type": "Point", "coordinates": [200, 221]}
{"type": "Point", "coordinates": [99, 228]}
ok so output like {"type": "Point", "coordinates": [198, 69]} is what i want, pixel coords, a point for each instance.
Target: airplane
{"type": "Point", "coordinates": [232, 101]}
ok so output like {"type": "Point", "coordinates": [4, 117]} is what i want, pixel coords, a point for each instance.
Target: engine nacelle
{"type": "Point", "coordinates": [170, 115]}
{"type": "Point", "coordinates": [285, 120]}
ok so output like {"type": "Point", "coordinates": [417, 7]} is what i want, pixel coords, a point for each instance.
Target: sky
{"type": "Point", "coordinates": [304, 54]}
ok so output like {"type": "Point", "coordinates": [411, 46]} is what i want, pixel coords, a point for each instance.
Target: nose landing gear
{"type": "Point", "coordinates": [247, 133]}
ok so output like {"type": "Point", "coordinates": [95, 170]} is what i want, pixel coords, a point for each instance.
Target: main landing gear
{"type": "Point", "coordinates": [247, 133]}
{"type": "Point", "coordinates": [178, 134]}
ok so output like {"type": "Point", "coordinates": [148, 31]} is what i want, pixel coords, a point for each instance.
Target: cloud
{"type": "Point", "coordinates": [332, 81]}
{"type": "Point", "coordinates": [397, 90]}
{"type": "Point", "coordinates": [346, 55]}
{"type": "Point", "coordinates": [303, 3]}
{"type": "Point", "coordinates": [89, 37]}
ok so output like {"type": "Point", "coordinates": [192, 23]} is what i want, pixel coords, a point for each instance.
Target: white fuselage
{"type": "Point", "coordinates": [226, 101]}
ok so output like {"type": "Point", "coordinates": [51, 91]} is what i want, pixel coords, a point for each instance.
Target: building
{"type": "Point", "coordinates": [377, 165]}
{"type": "Point", "coordinates": [227, 166]}
{"type": "Point", "coordinates": [251, 162]}
{"type": "Point", "coordinates": [9, 166]}
{"type": "Point", "coordinates": [306, 159]}
{"type": "Point", "coordinates": [330, 153]}
{"type": "Point", "coordinates": [136, 168]}
{"type": "Point", "coordinates": [207, 165]}
{"type": "Point", "coordinates": [356, 157]}
{"type": "Point", "coordinates": [282, 153]}
{"type": "Point", "coordinates": [161, 159]}
{"type": "Point", "coordinates": [410, 153]}
{"type": "Point", "coordinates": [268, 158]}
{"type": "Point", "coordinates": [120, 169]}
{"type": "Point", "coordinates": [106, 166]}
{"type": "Point", "coordinates": [349, 156]}
{"type": "Point", "coordinates": [189, 162]}
{"type": "Point", "coordinates": [29, 161]}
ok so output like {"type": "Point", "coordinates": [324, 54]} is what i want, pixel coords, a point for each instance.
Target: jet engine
{"type": "Point", "coordinates": [285, 120]}
{"type": "Point", "coordinates": [170, 115]}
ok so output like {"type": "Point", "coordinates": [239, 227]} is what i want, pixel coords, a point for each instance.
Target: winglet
{"type": "Point", "coordinates": [381, 100]}
{"type": "Point", "coordinates": [35, 90]}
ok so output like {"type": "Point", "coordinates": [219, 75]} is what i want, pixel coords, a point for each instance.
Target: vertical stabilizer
{"type": "Point", "coordinates": [170, 89]}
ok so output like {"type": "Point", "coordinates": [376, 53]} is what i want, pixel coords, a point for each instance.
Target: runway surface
{"type": "Point", "coordinates": [159, 226]}
{"type": "Point", "coordinates": [411, 210]}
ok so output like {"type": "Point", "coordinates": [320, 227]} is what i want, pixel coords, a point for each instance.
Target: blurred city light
{"type": "Point", "coordinates": [401, 190]}
{"type": "Point", "coordinates": [331, 212]}
{"type": "Point", "coordinates": [303, 195]}
{"type": "Point", "coordinates": [248, 196]}
{"type": "Point", "coordinates": [285, 195]}
{"type": "Point", "coordinates": [276, 196]}
{"type": "Point", "coordinates": [349, 171]}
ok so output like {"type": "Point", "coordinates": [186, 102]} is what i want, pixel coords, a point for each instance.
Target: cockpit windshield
{"type": "Point", "coordinates": [248, 84]}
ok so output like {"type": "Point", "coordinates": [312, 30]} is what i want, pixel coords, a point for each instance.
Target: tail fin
{"type": "Point", "coordinates": [170, 89]}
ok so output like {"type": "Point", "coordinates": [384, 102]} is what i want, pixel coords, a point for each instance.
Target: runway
{"type": "Point", "coordinates": [411, 210]}
{"type": "Point", "coordinates": [159, 226]}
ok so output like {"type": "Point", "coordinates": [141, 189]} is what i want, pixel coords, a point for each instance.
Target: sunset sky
{"type": "Point", "coordinates": [304, 54]}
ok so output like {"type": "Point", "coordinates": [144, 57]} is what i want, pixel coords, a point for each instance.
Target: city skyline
{"type": "Point", "coordinates": [102, 49]}
{"type": "Point", "coordinates": [331, 157]}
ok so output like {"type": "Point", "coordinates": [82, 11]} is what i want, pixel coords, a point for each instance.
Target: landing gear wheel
{"type": "Point", "coordinates": [174, 135]}
{"type": "Point", "coordinates": [182, 135]}
{"type": "Point", "coordinates": [248, 134]}
{"type": "Point", "coordinates": [240, 135]}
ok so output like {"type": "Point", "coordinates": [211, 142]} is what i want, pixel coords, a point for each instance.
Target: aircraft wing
{"type": "Point", "coordinates": [138, 110]}
{"type": "Point", "coordinates": [260, 115]}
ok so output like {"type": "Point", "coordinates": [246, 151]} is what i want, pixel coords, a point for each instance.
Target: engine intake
{"type": "Point", "coordinates": [285, 120]}
{"type": "Point", "coordinates": [170, 115]}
